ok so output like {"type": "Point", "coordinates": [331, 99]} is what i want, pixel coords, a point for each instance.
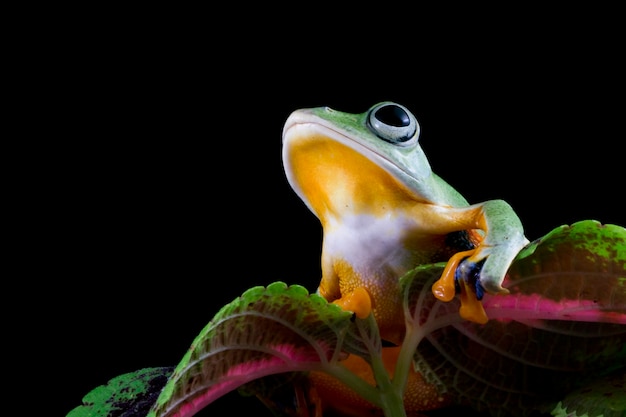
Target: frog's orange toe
{"type": "Point", "coordinates": [471, 308]}
{"type": "Point", "coordinates": [443, 288]}
{"type": "Point", "coordinates": [357, 301]}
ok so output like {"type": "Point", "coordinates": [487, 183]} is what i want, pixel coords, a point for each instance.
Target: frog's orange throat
{"type": "Point", "coordinates": [323, 174]}
{"type": "Point", "coordinates": [322, 171]}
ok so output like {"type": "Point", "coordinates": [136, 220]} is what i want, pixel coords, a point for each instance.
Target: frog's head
{"type": "Point", "coordinates": [334, 159]}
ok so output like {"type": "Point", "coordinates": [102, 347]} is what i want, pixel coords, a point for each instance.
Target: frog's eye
{"type": "Point", "coordinates": [393, 123]}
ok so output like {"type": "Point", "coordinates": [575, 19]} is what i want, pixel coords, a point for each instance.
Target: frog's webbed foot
{"type": "Point", "coordinates": [472, 273]}
{"type": "Point", "coordinates": [358, 301]}
{"type": "Point", "coordinates": [482, 269]}
{"type": "Point", "coordinates": [462, 276]}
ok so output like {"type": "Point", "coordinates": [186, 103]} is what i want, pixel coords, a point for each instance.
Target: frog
{"type": "Point", "coordinates": [383, 211]}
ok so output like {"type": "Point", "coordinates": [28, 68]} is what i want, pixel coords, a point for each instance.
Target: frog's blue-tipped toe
{"type": "Point", "coordinates": [480, 290]}
{"type": "Point", "coordinates": [470, 273]}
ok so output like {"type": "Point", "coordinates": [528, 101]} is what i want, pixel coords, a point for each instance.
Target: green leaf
{"type": "Point", "coordinates": [584, 263]}
{"type": "Point", "coordinates": [127, 395]}
{"type": "Point", "coordinates": [556, 342]}
{"type": "Point", "coordinates": [561, 327]}
{"type": "Point", "coordinates": [265, 331]}
{"type": "Point", "coordinates": [604, 397]}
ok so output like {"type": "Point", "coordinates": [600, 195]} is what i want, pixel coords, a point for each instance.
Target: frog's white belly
{"type": "Point", "coordinates": [373, 246]}
{"type": "Point", "coordinates": [374, 252]}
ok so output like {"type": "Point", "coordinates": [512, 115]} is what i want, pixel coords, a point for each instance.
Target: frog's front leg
{"type": "Point", "coordinates": [484, 267]}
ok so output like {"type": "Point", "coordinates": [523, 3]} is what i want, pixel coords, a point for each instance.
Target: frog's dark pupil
{"type": "Point", "coordinates": [393, 116]}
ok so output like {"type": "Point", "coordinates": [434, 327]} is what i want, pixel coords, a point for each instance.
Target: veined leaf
{"type": "Point", "coordinates": [556, 343]}
{"type": "Point", "coordinates": [127, 395]}
{"type": "Point", "coordinates": [562, 326]}
{"type": "Point", "coordinates": [265, 331]}
{"type": "Point", "coordinates": [604, 397]}
{"type": "Point", "coordinates": [574, 273]}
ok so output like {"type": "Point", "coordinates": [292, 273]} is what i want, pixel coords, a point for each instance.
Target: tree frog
{"type": "Point", "coordinates": [383, 212]}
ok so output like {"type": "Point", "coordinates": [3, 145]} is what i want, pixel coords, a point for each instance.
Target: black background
{"type": "Point", "coordinates": [163, 198]}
